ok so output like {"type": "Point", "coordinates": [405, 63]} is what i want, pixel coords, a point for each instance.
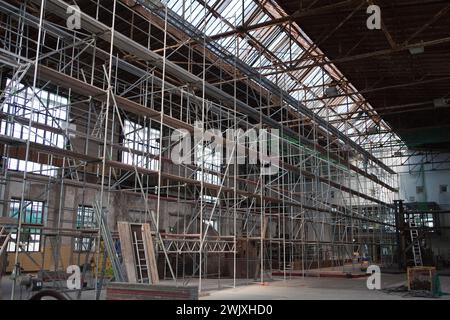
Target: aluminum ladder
{"type": "Point", "coordinates": [417, 253]}
{"type": "Point", "coordinates": [4, 240]}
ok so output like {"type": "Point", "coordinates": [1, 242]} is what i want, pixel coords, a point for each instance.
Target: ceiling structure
{"type": "Point", "coordinates": [382, 92]}
{"type": "Point", "coordinates": [402, 70]}
{"type": "Point", "coordinates": [390, 83]}
{"type": "Point", "coordinates": [267, 40]}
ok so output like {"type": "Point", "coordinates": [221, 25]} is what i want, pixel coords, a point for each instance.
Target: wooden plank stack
{"type": "Point", "coordinates": [126, 247]}
{"type": "Point", "coordinates": [141, 291]}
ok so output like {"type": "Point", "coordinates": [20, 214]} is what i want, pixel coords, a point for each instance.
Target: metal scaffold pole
{"type": "Point", "coordinates": [27, 154]}
{"type": "Point", "coordinates": [109, 93]}
{"type": "Point", "coordinates": [136, 73]}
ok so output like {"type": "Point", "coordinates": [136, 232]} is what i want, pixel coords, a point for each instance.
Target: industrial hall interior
{"type": "Point", "coordinates": [224, 149]}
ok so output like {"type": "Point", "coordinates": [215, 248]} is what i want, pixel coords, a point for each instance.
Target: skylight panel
{"type": "Point", "coordinates": [233, 11]}
{"type": "Point", "coordinates": [280, 44]}
{"type": "Point", "coordinates": [228, 43]}
{"type": "Point", "coordinates": [249, 8]}
{"type": "Point", "coordinates": [197, 15]}
{"type": "Point", "coordinates": [343, 108]}
{"type": "Point", "coordinates": [176, 6]}
{"type": "Point", "coordinates": [260, 17]}
{"type": "Point", "coordinates": [296, 95]}
{"type": "Point", "coordinates": [215, 26]}
{"type": "Point", "coordinates": [275, 34]}
{"type": "Point", "coordinates": [222, 6]}
{"type": "Point", "coordinates": [263, 62]}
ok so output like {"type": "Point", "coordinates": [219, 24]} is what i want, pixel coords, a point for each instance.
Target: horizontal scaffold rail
{"type": "Point", "coordinates": [126, 44]}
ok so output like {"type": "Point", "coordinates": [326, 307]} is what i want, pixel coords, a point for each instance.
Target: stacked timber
{"type": "Point", "coordinates": [141, 291]}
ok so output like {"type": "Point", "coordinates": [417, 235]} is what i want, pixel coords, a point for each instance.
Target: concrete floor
{"type": "Point", "coordinates": [307, 288]}
{"type": "Point", "coordinates": [311, 288]}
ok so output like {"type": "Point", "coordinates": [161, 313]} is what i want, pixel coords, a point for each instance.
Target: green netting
{"type": "Point", "coordinates": [437, 291]}
{"type": "Point", "coordinates": [425, 136]}
{"type": "Point", "coordinates": [423, 206]}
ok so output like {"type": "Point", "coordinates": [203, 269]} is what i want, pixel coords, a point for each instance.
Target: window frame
{"type": "Point", "coordinates": [84, 244]}
{"type": "Point", "coordinates": [48, 109]}
{"type": "Point", "coordinates": [34, 216]}
{"type": "Point", "coordinates": [142, 141]}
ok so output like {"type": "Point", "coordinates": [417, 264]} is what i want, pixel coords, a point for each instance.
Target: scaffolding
{"type": "Point", "coordinates": [88, 118]}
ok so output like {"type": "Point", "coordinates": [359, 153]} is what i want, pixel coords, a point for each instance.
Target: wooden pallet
{"type": "Point", "coordinates": [421, 278]}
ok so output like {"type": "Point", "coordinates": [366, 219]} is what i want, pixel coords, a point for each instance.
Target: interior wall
{"type": "Point", "coordinates": [419, 172]}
